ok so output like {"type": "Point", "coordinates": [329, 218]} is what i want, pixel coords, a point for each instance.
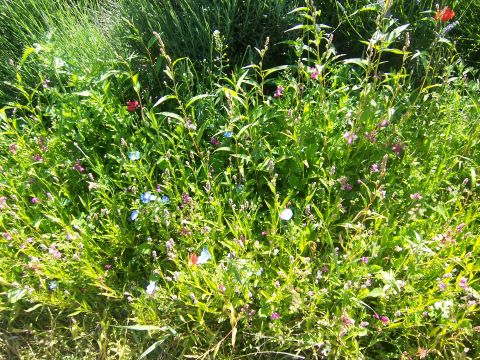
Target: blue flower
{"type": "Point", "coordinates": [147, 197]}
{"type": "Point", "coordinates": [134, 215]}
{"type": "Point", "coordinates": [204, 256]}
{"type": "Point", "coordinates": [227, 134]}
{"type": "Point", "coordinates": [53, 285]}
{"type": "Point", "coordinates": [134, 155]}
{"type": "Point", "coordinates": [151, 288]}
{"type": "Point", "coordinates": [165, 199]}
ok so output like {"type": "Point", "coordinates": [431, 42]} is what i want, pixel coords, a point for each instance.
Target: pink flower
{"type": "Point", "coordinates": [383, 123]}
{"type": "Point", "coordinates": [264, 233]}
{"type": "Point", "coordinates": [13, 148]}
{"type": "Point", "coordinates": [416, 196]}
{"type": "Point", "coordinates": [35, 200]}
{"type": "Point", "coordinates": [371, 136]}
{"type": "Point", "coordinates": [3, 202]}
{"type": "Point", "coordinates": [278, 91]}
{"type": "Point", "coordinates": [397, 149]}
{"type": "Point", "coordinates": [314, 73]}
{"type": "Point", "coordinates": [463, 283]}
{"type": "Point", "coordinates": [54, 252]}
{"type": "Point", "coordinates": [214, 141]}
{"type": "Point", "coordinates": [186, 198]}
{"type": "Point", "coordinates": [375, 168]}
{"type": "Point", "coordinates": [78, 166]}
{"type": "Point", "coordinates": [385, 320]}
{"type": "Point", "coordinates": [275, 315]}
{"type": "Point", "coordinates": [350, 137]}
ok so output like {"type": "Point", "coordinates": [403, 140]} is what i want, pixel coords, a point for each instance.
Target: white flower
{"type": "Point", "coordinates": [286, 214]}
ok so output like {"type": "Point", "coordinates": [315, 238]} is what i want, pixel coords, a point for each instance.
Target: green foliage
{"type": "Point", "coordinates": [154, 207]}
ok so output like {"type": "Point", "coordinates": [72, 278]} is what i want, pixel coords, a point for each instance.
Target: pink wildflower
{"type": "Point", "coordinates": [279, 91]}
{"type": "Point", "coordinates": [275, 315]}
{"type": "Point", "coordinates": [397, 149]}
{"type": "Point", "coordinates": [350, 137]}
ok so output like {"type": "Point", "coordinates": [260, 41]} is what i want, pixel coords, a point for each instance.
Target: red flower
{"type": "Point", "coordinates": [192, 260]}
{"type": "Point", "coordinates": [132, 105]}
{"type": "Point", "coordinates": [445, 14]}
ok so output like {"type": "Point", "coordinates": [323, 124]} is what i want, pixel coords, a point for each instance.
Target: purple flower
{"type": "Point", "coordinates": [344, 184]}
{"type": "Point", "coordinates": [460, 227]}
{"type": "Point", "coordinates": [13, 148]}
{"type": "Point", "coordinates": [350, 137]}
{"type": "Point", "coordinates": [441, 285]}
{"type": "Point", "coordinates": [371, 136]}
{"type": "Point", "coordinates": [35, 200]}
{"type": "Point", "coordinates": [264, 233]}
{"type": "Point", "coordinates": [385, 320]}
{"type": "Point", "coordinates": [375, 168]}
{"type": "Point", "coordinates": [78, 166]}
{"type": "Point", "coordinates": [54, 252]}
{"type": "Point", "coordinates": [214, 141]}
{"type": "Point", "coordinates": [364, 259]}
{"type": "Point", "coordinates": [37, 158]}
{"type": "Point", "coordinates": [275, 315]}
{"type": "Point", "coordinates": [186, 198]}
{"type": "Point", "coordinates": [463, 283]}
{"type": "Point", "coordinates": [278, 91]}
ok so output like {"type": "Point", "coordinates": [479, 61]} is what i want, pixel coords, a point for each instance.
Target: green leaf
{"type": "Point", "coordinates": [195, 98]}
{"type": "Point", "coordinates": [395, 33]}
{"type": "Point", "coordinates": [377, 292]}
{"type": "Point", "coordinates": [85, 93]}
{"type": "Point", "coordinates": [151, 348]}
{"type": "Point", "coordinates": [163, 99]}
{"type": "Point", "coordinates": [275, 69]}
{"type": "Point", "coordinates": [145, 327]}
{"type": "Point", "coordinates": [357, 61]}
{"type": "Point", "coordinates": [171, 115]}
{"type": "Point", "coordinates": [136, 84]}
{"type": "Point", "coordinates": [396, 51]}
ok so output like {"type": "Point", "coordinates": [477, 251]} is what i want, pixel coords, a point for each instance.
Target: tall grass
{"type": "Point", "coordinates": [73, 28]}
